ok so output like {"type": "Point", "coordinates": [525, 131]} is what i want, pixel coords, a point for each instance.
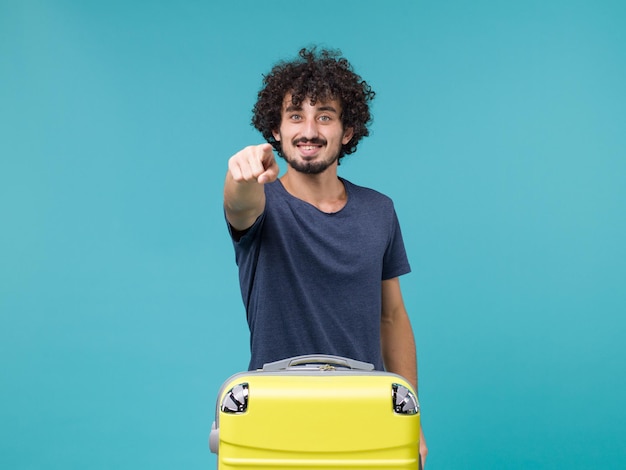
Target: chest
{"type": "Point", "coordinates": [342, 242]}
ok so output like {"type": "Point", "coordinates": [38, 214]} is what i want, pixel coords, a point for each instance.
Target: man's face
{"type": "Point", "coordinates": [311, 136]}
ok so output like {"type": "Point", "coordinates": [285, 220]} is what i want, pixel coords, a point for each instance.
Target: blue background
{"type": "Point", "coordinates": [499, 131]}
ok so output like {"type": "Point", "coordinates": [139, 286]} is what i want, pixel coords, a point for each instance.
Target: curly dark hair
{"type": "Point", "coordinates": [323, 75]}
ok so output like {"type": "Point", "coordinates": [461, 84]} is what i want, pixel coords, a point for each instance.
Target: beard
{"type": "Point", "coordinates": [310, 168]}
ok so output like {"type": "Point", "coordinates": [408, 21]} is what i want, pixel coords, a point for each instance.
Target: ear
{"type": "Point", "coordinates": [348, 133]}
{"type": "Point", "coordinates": [276, 135]}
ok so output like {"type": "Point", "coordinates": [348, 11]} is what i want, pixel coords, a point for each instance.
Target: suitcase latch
{"type": "Point", "coordinates": [236, 399]}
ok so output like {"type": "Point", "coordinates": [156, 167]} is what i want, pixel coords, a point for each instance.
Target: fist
{"type": "Point", "coordinates": [255, 163]}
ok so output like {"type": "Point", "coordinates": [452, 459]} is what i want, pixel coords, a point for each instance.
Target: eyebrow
{"type": "Point", "coordinates": [293, 107]}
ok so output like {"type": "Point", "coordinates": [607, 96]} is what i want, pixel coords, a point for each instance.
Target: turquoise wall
{"type": "Point", "coordinates": [499, 131]}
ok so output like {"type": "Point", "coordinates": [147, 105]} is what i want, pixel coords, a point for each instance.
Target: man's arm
{"type": "Point", "coordinates": [244, 196]}
{"type": "Point", "coordinates": [397, 340]}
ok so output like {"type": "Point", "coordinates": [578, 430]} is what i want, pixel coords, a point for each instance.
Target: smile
{"type": "Point", "coordinates": [309, 149]}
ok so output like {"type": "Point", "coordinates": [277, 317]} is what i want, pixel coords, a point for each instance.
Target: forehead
{"type": "Point", "coordinates": [327, 104]}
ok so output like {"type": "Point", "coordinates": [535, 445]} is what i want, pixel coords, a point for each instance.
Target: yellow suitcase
{"type": "Point", "coordinates": [316, 412]}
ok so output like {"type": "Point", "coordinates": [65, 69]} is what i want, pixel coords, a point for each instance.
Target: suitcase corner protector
{"type": "Point", "coordinates": [214, 438]}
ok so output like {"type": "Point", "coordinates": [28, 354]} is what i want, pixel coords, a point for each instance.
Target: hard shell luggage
{"type": "Point", "coordinates": [316, 412]}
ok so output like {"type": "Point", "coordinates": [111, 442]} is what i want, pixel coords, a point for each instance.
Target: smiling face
{"type": "Point", "coordinates": [311, 135]}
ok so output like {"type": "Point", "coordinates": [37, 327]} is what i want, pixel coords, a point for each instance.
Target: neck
{"type": "Point", "coordinates": [325, 191]}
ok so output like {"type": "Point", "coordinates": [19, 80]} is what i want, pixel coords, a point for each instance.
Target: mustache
{"type": "Point", "coordinates": [313, 141]}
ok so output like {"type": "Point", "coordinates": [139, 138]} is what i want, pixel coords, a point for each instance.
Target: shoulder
{"type": "Point", "coordinates": [367, 195]}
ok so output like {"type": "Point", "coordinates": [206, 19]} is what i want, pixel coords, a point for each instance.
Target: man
{"type": "Point", "coordinates": [319, 257]}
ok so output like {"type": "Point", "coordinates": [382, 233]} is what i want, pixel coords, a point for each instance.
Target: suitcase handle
{"type": "Point", "coordinates": [317, 359]}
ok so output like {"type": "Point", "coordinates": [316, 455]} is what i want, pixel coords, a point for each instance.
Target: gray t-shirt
{"type": "Point", "coordinates": [311, 281]}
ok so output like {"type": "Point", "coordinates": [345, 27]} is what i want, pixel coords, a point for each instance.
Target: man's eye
{"type": "Point", "coordinates": [294, 117]}
{"type": "Point", "coordinates": [325, 118]}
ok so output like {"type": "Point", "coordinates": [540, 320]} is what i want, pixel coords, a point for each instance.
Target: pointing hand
{"type": "Point", "coordinates": [255, 163]}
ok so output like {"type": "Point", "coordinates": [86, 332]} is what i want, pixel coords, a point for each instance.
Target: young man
{"type": "Point", "coordinates": [319, 257]}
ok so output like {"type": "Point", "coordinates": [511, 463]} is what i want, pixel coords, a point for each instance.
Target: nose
{"type": "Point", "coordinates": [309, 130]}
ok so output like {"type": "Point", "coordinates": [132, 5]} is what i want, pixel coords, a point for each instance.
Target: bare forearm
{"type": "Point", "coordinates": [397, 341]}
{"type": "Point", "coordinates": [243, 202]}
{"type": "Point", "coordinates": [398, 347]}
{"type": "Point", "coordinates": [244, 194]}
